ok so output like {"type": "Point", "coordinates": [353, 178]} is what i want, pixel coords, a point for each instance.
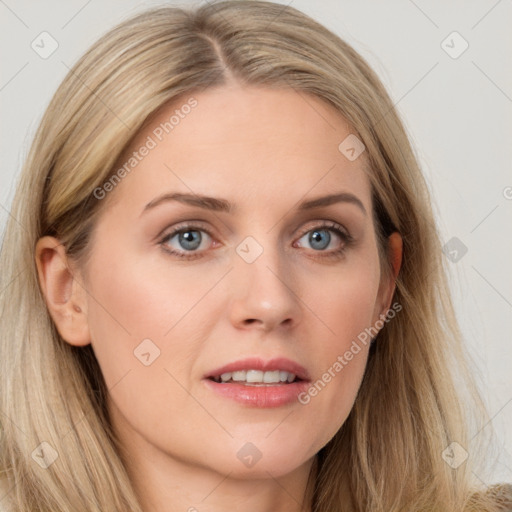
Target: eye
{"type": "Point", "coordinates": [186, 239]}
{"type": "Point", "coordinates": [326, 236]}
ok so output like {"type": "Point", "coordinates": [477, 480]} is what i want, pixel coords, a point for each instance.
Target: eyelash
{"type": "Point", "coordinates": [345, 237]}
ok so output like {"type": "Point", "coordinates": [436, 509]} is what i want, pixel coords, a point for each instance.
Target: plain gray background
{"type": "Point", "coordinates": [456, 106]}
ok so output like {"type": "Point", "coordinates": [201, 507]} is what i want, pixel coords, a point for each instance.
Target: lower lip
{"type": "Point", "coordinates": [265, 396]}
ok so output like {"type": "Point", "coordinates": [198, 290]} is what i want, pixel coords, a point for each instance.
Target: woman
{"type": "Point", "coordinates": [231, 284]}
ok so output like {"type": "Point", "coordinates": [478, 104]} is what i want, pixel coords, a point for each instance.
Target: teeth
{"type": "Point", "coordinates": [256, 377]}
{"type": "Point", "coordinates": [271, 377]}
{"type": "Point", "coordinates": [239, 376]}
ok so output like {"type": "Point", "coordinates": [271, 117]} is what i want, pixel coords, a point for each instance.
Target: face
{"type": "Point", "coordinates": [215, 256]}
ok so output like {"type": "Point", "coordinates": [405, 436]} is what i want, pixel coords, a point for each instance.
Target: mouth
{"type": "Point", "coordinates": [254, 382]}
{"type": "Point", "coordinates": [253, 377]}
{"type": "Point", "coordinates": [258, 372]}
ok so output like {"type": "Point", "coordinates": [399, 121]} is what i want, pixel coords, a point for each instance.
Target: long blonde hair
{"type": "Point", "coordinates": [388, 455]}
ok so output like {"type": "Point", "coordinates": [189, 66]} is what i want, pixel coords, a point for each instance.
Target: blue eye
{"type": "Point", "coordinates": [188, 240]}
{"type": "Point", "coordinates": [321, 237]}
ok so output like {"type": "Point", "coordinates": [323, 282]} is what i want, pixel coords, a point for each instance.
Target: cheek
{"type": "Point", "coordinates": [145, 333]}
{"type": "Point", "coordinates": [143, 316]}
{"type": "Point", "coordinates": [344, 299]}
{"type": "Point", "coordinates": [142, 293]}
{"type": "Point", "coordinates": [344, 310]}
{"type": "Point", "coordinates": [131, 302]}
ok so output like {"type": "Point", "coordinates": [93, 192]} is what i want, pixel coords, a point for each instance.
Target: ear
{"type": "Point", "coordinates": [64, 293]}
{"type": "Point", "coordinates": [388, 281]}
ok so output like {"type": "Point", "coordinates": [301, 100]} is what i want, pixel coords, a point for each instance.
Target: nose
{"type": "Point", "coordinates": [263, 294]}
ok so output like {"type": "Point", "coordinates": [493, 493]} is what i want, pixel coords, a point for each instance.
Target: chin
{"type": "Point", "coordinates": [260, 459]}
{"type": "Point", "coordinates": [262, 470]}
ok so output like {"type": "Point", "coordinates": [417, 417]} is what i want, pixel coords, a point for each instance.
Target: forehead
{"type": "Point", "coordinates": [253, 142]}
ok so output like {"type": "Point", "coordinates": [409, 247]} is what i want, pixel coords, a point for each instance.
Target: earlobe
{"type": "Point", "coordinates": [65, 297]}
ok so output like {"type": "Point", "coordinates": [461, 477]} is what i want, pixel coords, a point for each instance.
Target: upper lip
{"type": "Point", "coordinates": [256, 363]}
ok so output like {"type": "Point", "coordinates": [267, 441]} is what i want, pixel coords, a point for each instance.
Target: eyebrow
{"type": "Point", "coordinates": [223, 205]}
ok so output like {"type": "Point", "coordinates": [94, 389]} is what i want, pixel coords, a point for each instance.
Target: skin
{"type": "Point", "coordinates": [264, 151]}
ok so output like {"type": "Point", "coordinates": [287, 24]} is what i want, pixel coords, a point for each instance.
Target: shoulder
{"type": "Point", "coordinates": [499, 494]}
{"type": "Point", "coordinates": [502, 494]}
